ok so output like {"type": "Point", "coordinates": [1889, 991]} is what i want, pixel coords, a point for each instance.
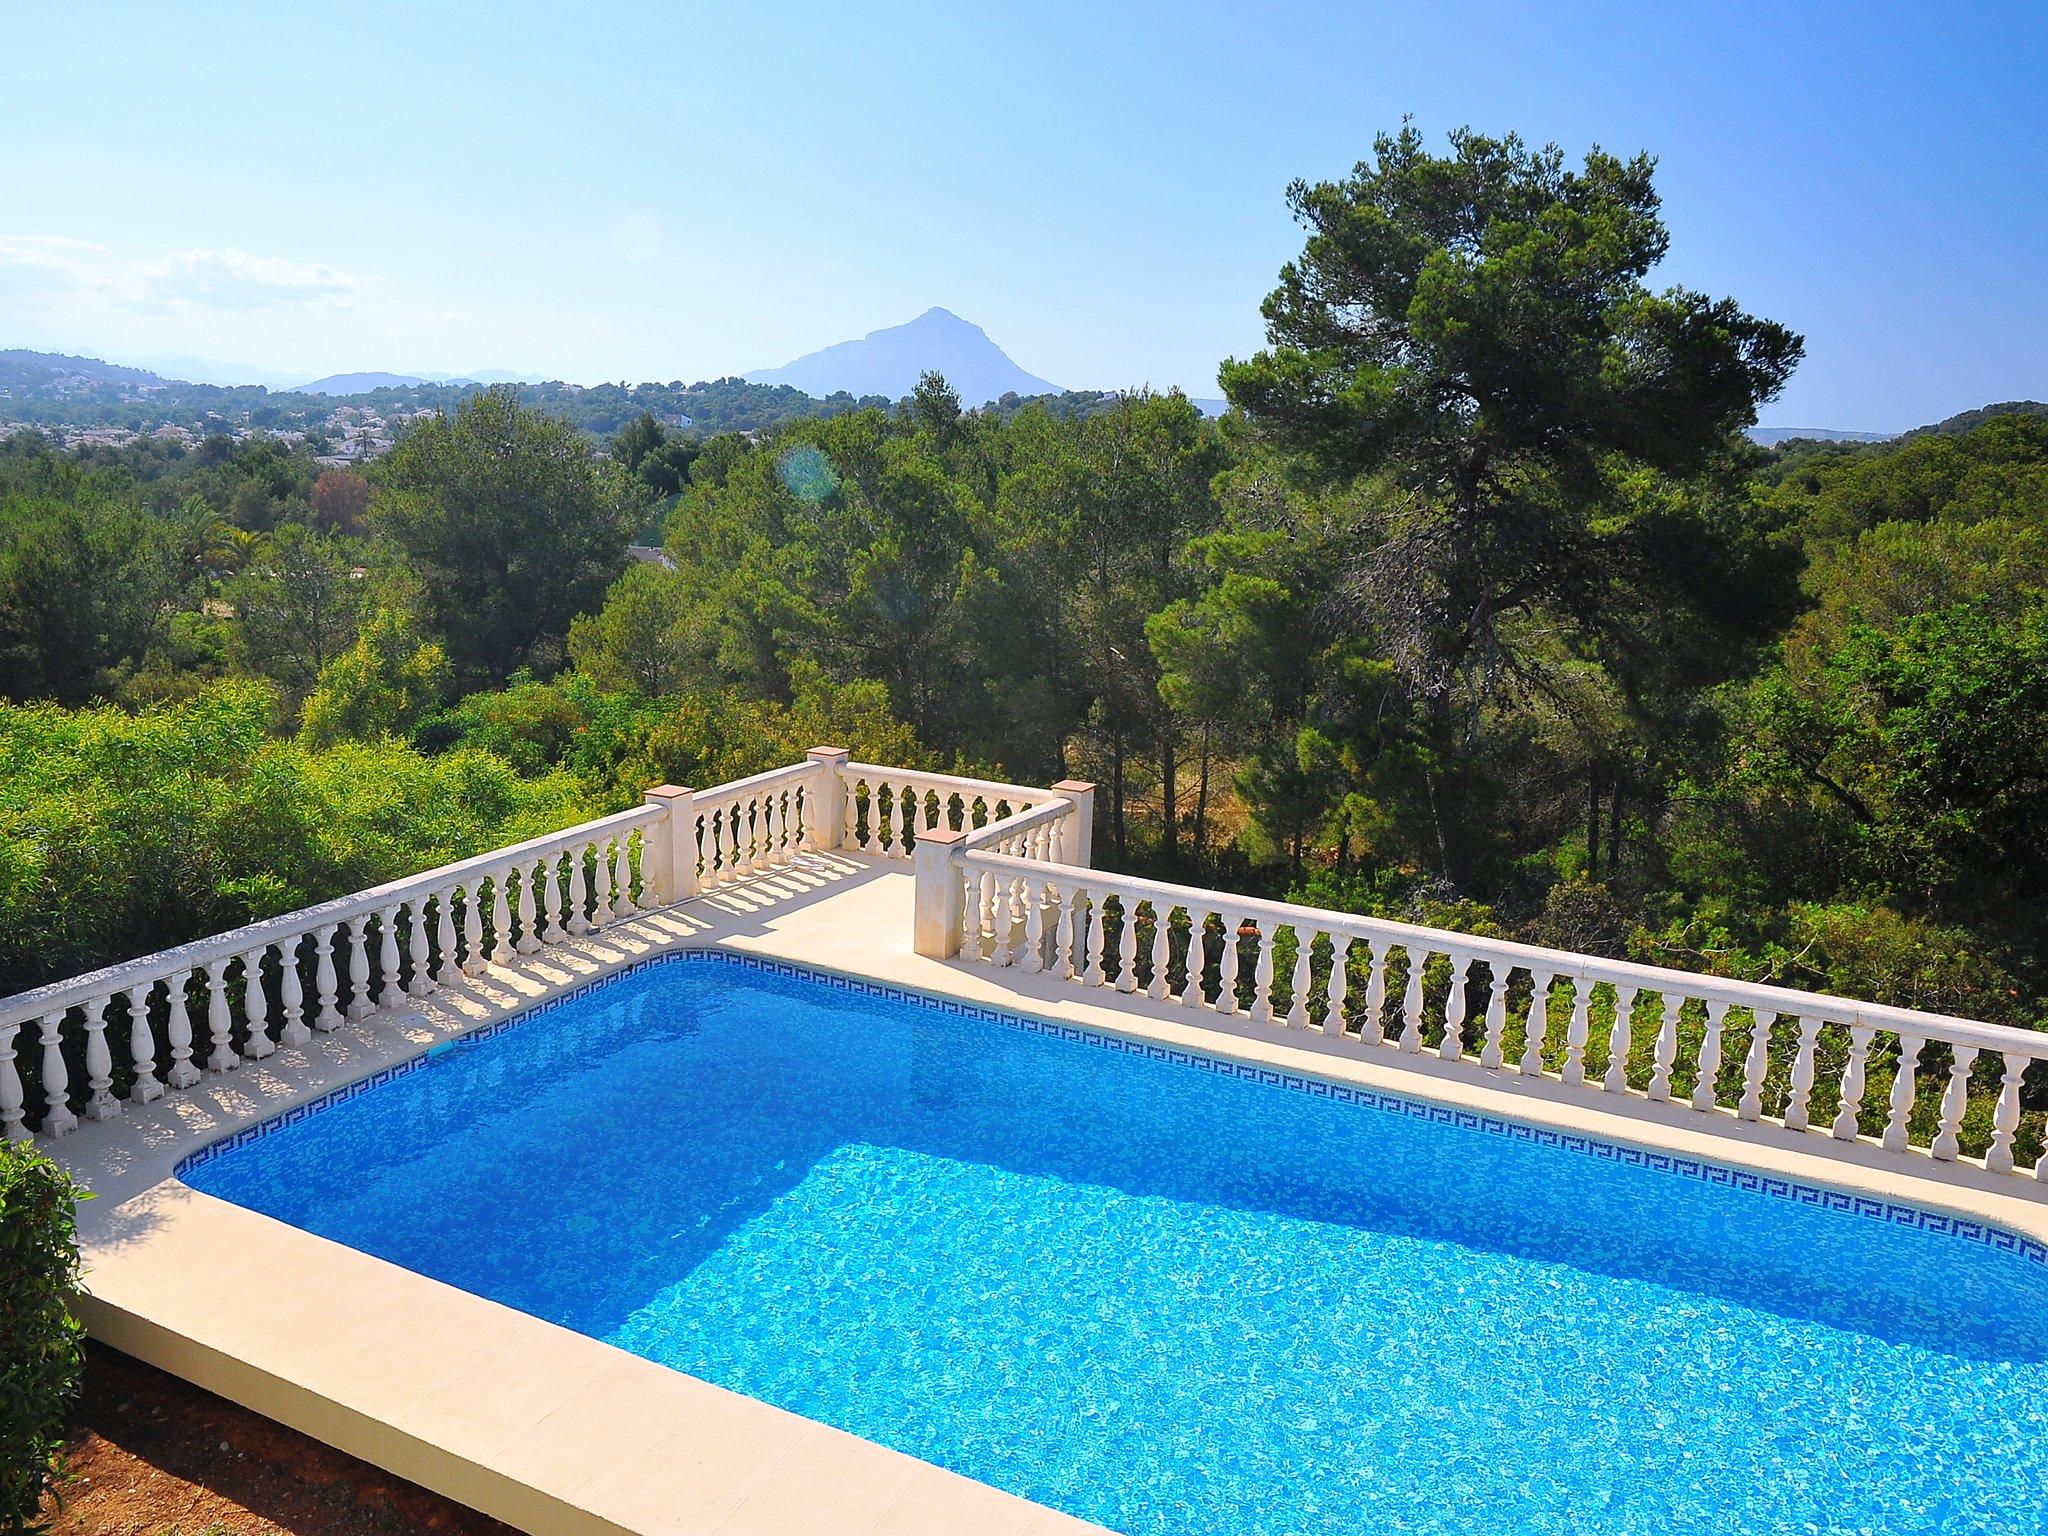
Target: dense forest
{"type": "Point", "coordinates": [1478, 609]}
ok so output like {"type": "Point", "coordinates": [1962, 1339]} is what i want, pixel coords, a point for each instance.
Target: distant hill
{"type": "Point", "coordinates": [1770, 437]}
{"type": "Point", "coordinates": [22, 368]}
{"type": "Point", "coordinates": [1967, 421]}
{"type": "Point", "coordinates": [887, 363]}
{"type": "Point", "coordinates": [363, 383]}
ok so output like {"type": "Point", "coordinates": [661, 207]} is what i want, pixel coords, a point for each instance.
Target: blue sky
{"type": "Point", "coordinates": [635, 192]}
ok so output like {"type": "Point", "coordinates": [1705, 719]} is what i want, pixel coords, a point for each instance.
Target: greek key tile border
{"type": "Point", "coordinates": [1870, 1207]}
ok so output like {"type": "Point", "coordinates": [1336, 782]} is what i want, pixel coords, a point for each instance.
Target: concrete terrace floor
{"type": "Point", "coordinates": [558, 1433]}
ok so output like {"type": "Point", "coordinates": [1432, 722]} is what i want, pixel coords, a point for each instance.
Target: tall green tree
{"type": "Point", "coordinates": [1477, 328]}
{"type": "Point", "coordinates": [511, 527]}
{"type": "Point", "coordinates": [1476, 332]}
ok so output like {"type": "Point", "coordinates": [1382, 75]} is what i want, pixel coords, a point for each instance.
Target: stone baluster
{"type": "Point", "coordinates": [444, 937]}
{"type": "Point", "coordinates": [1493, 1048]}
{"type": "Point", "coordinates": [1339, 985]}
{"type": "Point", "coordinates": [1004, 951]}
{"type": "Point", "coordinates": [178, 1032]}
{"type": "Point", "coordinates": [1298, 984]}
{"type": "Point", "coordinates": [1621, 1040]}
{"type": "Point", "coordinates": [1127, 945]}
{"type": "Point", "coordinates": [326, 990]}
{"type": "Point", "coordinates": [851, 829]}
{"type": "Point", "coordinates": [1226, 991]}
{"type": "Point", "coordinates": [100, 1103]}
{"type": "Point", "coordinates": [291, 995]}
{"type": "Point", "coordinates": [142, 1047]}
{"type": "Point", "coordinates": [1372, 1028]}
{"type": "Point", "coordinates": [57, 1117]}
{"type": "Point", "coordinates": [418, 956]}
{"type": "Point", "coordinates": [1452, 1046]}
{"type": "Point", "coordinates": [359, 1004]}
{"type": "Point", "coordinates": [547, 899]}
{"type": "Point", "coordinates": [502, 951]}
{"type": "Point", "coordinates": [1411, 1000]}
{"type": "Point", "coordinates": [906, 820]}
{"type": "Point", "coordinates": [1162, 951]}
{"type": "Point", "coordinates": [1034, 923]}
{"type": "Point", "coordinates": [970, 913]}
{"type": "Point", "coordinates": [1854, 1080]}
{"type": "Point", "coordinates": [1898, 1125]}
{"type": "Point", "coordinates": [1536, 1023]}
{"type": "Point", "coordinates": [1665, 1054]}
{"type": "Point", "coordinates": [524, 911]}
{"type": "Point", "coordinates": [1063, 935]}
{"type": "Point", "coordinates": [1262, 973]}
{"type": "Point", "coordinates": [1705, 1091]}
{"type": "Point", "coordinates": [767, 836]}
{"type": "Point", "coordinates": [2005, 1119]}
{"type": "Point", "coordinates": [220, 1021]}
{"type": "Point", "coordinates": [255, 1007]}
{"type": "Point", "coordinates": [623, 905]}
{"type": "Point", "coordinates": [604, 913]}
{"type": "Point", "coordinates": [388, 989]}
{"type": "Point", "coordinates": [1098, 972]}
{"type": "Point", "coordinates": [1955, 1099]}
{"type": "Point", "coordinates": [987, 917]}
{"type": "Point", "coordinates": [1191, 993]}
{"type": "Point", "coordinates": [1756, 1065]}
{"type": "Point", "coordinates": [473, 957]}
{"type": "Point", "coordinates": [1576, 1029]}
{"type": "Point", "coordinates": [579, 894]}
{"type": "Point", "coordinates": [1802, 1073]}
{"type": "Point", "coordinates": [13, 1123]}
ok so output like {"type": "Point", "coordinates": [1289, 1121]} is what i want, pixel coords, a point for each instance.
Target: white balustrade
{"type": "Point", "coordinates": [386, 946]}
{"type": "Point", "coordinates": [1018, 905]}
{"type": "Point", "coordinates": [1011, 886]}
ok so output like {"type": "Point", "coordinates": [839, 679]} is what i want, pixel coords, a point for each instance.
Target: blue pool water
{"type": "Point", "coordinates": [1171, 1299]}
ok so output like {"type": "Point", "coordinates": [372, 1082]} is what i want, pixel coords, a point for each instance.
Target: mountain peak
{"type": "Point", "coordinates": [888, 362]}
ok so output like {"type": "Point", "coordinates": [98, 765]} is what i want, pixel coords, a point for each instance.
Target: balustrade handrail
{"type": "Point", "coordinates": [981, 837]}
{"type": "Point", "coordinates": [932, 780]}
{"type": "Point", "coordinates": [1564, 964]}
{"type": "Point", "coordinates": [739, 789]}
{"type": "Point", "coordinates": [74, 990]}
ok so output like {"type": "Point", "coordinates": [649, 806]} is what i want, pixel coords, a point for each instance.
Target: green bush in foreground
{"type": "Point", "coordinates": [41, 1358]}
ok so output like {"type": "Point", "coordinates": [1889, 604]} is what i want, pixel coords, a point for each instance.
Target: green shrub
{"type": "Point", "coordinates": [41, 1359]}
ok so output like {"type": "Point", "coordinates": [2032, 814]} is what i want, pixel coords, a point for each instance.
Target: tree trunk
{"type": "Point", "coordinates": [1169, 796]}
{"type": "Point", "coordinates": [1592, 824]}
{"type": "Point", "coordinates": [1202, 800]}
{"type": "Point", "coordinates": [1614, 830]}
{"type": "Point", "coordinates": [1116, 796]}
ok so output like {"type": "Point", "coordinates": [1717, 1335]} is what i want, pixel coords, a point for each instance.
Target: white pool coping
{"type": "Point", "coordinates": [554, 1432]}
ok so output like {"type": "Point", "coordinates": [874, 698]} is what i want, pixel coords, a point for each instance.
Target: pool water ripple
{"type": "Point", "coordinates": [1172, 1300]}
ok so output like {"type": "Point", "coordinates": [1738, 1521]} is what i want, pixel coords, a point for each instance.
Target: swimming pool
{"type": "Point", "coordinates": [1171, 1294]}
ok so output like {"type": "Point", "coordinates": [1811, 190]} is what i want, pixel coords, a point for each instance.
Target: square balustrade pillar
{"type": "Point", "coordinates": [827, 796]}
{"type": "Point", "coordinates": [939, 867]}
{"type": "Point", "coordinates": [1080, 829]}
{"type": "Point", "coordinates": [668, 849]}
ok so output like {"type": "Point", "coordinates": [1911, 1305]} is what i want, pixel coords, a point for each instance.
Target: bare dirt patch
{"type": "Point", "coordinates": [150, 1455]}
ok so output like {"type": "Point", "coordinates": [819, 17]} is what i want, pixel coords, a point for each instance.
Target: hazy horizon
{"type": "Point", "coordinates": [659, 196]}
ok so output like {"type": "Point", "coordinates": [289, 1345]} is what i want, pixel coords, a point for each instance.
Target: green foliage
{"type": "Point", "coordinates": [40, 1339]}
{"type": "Point", "coordinates": [646, 639]}
{"type": "Point", "coordinates": [297, 601]}
{"type": "Point", "coordinates": [1475, 330]}
{"type": "Point", "coordinates": [510, 527]}
{"type": "Point", "coordinates": [383, 685]}
{"type": "Point", "coordinates": [81, 586]}
{"type": "Point", "coordinates": [122, 833]}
